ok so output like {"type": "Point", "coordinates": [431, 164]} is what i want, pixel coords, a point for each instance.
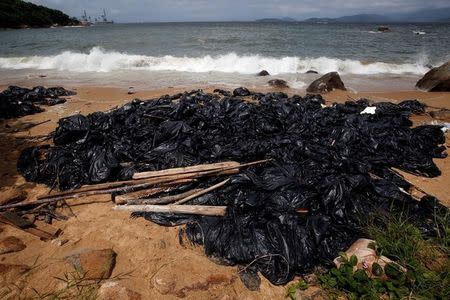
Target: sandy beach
{"type": "Point", "coordinates": [150, 259]}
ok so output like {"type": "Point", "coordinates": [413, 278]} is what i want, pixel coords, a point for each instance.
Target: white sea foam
{"type": "Point", "coordinates": [99, 60]}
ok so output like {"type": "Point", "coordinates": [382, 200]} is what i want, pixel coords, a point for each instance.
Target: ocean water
{"type": "Point", "coordinates": [176, 54]}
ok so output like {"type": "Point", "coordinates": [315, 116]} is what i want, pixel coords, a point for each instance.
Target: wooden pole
{"type": "Point", "coordinates": [202, 192]}
{"type": "Point", "coordinates": [56, 198]}
{"type": "Point", "coordinates": [154, 181]}
{"type": "Point", "coordinates": [163, 200]}
{"type": "Point", "coordinates": [217, 211]}
{"type": "Point", "coordinates": [122, 199]}
{"type": "Point", "coordinates": [191, 169]}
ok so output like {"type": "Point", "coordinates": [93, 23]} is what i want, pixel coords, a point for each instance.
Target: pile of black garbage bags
{"type": "Point", "coordinates": [17, 101]}
{"type": "Point", "coordinates": [332, 162]}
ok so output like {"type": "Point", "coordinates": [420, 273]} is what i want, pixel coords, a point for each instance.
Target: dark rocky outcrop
{"type": "Point", "coordinates": [21, 14]}
{"type": "Point", "coordinates": [242, 92]}
{"type": "Point", "coordinates": [383, 29]}
{"type": "Point", "coordinates": [436, 80]}
{"type": "Point", "coordinates": [326, 83]}
{"type": "Point", "coordinates": [263, 73]}
{"type": "Point", "coordinates": [311, 72]}
{"type": "Point", "coordinates": [278, 83]}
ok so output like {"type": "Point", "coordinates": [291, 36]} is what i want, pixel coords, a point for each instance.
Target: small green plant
{"type": "Point", "coordinates": [292, 289]}
{"type": "Point", "coordinates": [345, 281]}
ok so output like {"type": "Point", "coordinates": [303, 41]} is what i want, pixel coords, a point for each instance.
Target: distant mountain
{"type": "Point", "coordinates": [270, 20]}
{"type": "Point", "coordinates": [362, 18]}
{"type": "Point", "coordinates": [21, 14]}
{"type": "Point", "coordinates": [424, 15]}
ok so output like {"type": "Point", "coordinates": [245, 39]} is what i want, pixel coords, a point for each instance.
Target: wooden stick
{"type": "Point", "coordinates": [120, 187]}
{"type": "Point", "coordinates": [43, 233]}
{"type": "Point", "coordinates": [125, 189]}
{"type": "Point", "coordinates": [122, 199]}
{"type": "Point", "coordinates": [29, 126]}
{"type": "Point", "coordinates": [57, 198]}
{"type": "Point", "coordinates": [165, 179]}
{"type": "Point", "coordinates": [163, 200]}
{"type": "Point", "coordinates": [202, 192]}
{"type": "Point", "coordinates": [190, 169]}
{"type": "Point", "coordinates": [204, 210]}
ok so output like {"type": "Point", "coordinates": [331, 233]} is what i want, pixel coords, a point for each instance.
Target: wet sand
{"type": "Point", "coordinates": [158, 267]}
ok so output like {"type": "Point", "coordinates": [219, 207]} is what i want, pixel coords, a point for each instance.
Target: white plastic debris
{"type": "Point", "coordinates": [445, 126]}
{"type": "Point", "coordinates": [369, 110]}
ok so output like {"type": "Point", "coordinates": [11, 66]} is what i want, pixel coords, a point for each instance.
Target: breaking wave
{"type": "Point", "coordinates": [99, 60]}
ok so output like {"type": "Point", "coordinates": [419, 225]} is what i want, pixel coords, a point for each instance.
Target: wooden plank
{"type": "Point", "coordinates": [191, 169]}
{"type": "Point", "coordinates": [44, 232]}
{"type": "Point", "coordinates": [217, 211]}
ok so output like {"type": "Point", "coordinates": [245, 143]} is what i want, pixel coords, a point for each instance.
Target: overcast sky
{"type": "Point", "coordinates": [229, 10]}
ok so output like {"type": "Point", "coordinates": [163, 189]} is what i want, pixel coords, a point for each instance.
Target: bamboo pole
{"type": "Point", "coordinates": [202, 192]}
{"type": "Point", "coordinates": [122, 199]}
{"type": "Point", "coordinates": [123, 186]}
{"type": "Point", "coordinates": [190, 169]}
{"type": "Point", "coordinates": [204, 210]}
{"type": "Point", "coordinates": [56, 198]}
{"type": "Point", "coordinates": [154, 181]}
{"type": "Point", "coordinates": [163, 200]}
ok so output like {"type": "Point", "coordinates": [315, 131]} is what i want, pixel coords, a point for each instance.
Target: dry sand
{"type": "Point", "coordinates": [158, 267]}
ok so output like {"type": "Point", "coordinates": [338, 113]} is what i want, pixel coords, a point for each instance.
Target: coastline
{"type": "Point", "coordinates": [157, 259]}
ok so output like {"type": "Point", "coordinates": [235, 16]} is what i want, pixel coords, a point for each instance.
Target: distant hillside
{"type": "Point", "coordinates": [20, 14]}
{"type": "Point", "coordinates": [424, 15]}
{"type": "Point", "coordinates": [270, 20]}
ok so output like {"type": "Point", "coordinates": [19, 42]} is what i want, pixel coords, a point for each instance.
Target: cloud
{"type": "Point", "coordinates": [216, 10]}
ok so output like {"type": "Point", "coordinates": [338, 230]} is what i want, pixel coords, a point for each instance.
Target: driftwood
{"type": "Point", "coordinates": [163, 200]}
{"type": "Point", "coordinates": [217, 211]}
{"type": "Point", "coordinates": [126, 186]}
{"type": "Point", "coordinates": [154, 181]}
{"type": "Point", "coordinates": [192, 169]}
{"type": "Point", "coordinates": [122, 199]}
{"type": "Point", "coordinates": [44, 231]}
{"type": "Point", "coordinates": [56, 198]}
{"type": "Point", "coordinates": [202, 192]}
{"type": "Point", "coordinates": [117, 185]}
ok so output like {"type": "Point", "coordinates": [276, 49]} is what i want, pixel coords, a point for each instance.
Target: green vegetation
{"type": "Point", "coordinates": [345, 282]}
{"type": "Point", "coordinates": [426, 260]}
{"type": "Point", "coordinates": [299, 285]}
{"type": "Point", "coordinates": [19, 14]}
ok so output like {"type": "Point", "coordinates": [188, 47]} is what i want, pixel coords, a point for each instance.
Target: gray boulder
{"type": "Point", "coordinates": [436, 80]}
{"type": "Point", "coordinates": [326, 83]}
{"type": "Point", "coordinates": [263, 73]}
{"type": "Point", "coordinates": [278, 83]}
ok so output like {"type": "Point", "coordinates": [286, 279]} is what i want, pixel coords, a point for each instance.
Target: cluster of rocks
{"type": "Point", "coordinates": [436, 80]}
{"type": "Point", "coordinates": [95, 265]}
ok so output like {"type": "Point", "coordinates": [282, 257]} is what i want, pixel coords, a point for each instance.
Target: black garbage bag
{"type": "Point", "coordinates": [73, 129]}
{"type": "Point", "coordinates": [330, 169]}
{"type": "Point", "coordinates": [17, 102]}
